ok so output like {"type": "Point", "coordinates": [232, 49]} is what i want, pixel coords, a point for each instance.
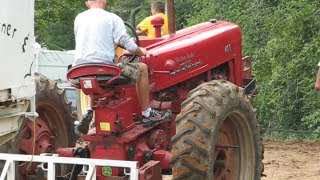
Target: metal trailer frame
{"type": "Point", "coordinates": [52, 159]}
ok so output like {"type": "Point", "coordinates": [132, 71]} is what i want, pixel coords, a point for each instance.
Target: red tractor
{"type": "Point", "coordinates": [199, 74]}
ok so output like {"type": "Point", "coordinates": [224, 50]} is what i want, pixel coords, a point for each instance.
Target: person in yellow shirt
{"type": "Point", "coordinates": [145, 28]}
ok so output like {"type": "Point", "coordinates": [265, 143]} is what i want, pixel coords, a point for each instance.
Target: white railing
{"type": "Point", "coordinates": [9, 167]}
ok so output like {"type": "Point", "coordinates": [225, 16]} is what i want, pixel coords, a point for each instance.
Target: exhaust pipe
{"type": "Point", "coordinates": [171, 16]}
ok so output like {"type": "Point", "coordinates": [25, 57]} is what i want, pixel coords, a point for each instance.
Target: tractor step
{"type": "Point", "coordinates": [150, 171]}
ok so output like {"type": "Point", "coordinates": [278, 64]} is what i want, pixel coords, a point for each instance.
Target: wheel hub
{"type": "Point", "coordinates": [224, 154]}
{"type": "Point", "coordinates": [36, 138]}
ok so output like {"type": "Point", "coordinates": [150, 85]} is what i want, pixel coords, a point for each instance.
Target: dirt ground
{"type": "Point", "coordinates": [290, 160]}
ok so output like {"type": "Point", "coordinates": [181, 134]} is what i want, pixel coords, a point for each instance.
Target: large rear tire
{"type": "Point", "coordinates": [217, 136]}
{"type": "Point", "coordinates": [52, 129]}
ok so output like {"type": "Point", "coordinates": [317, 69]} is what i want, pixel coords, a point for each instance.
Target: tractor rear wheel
{"type": "Point", "coordinates": [52, 129]}
{"type": "Point", "coordinates": [217, 136]}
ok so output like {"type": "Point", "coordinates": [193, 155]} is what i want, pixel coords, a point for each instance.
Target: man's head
{"type": "Point", "coordinates": [157, 7]}
{"type": "Point", "coordinates": [96, 3]}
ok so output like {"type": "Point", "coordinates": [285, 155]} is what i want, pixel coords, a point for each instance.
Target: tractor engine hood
{"type": "Point", "coordinates": [192, 51]}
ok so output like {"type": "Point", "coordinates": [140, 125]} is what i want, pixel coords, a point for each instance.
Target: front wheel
{"type": "Point", "coordinates": [52, 129]}
{"type": "Point", "coordinates": [217, 135]}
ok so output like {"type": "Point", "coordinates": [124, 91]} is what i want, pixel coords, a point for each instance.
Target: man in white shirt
{"type": "Point", "coordinates": [97, 33]}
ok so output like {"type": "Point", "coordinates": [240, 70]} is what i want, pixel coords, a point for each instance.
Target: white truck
{"type": "Point", "coordinates": [35, 116]}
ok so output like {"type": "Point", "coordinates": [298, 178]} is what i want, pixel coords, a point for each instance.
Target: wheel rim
{"type": "Point", "coordinates": [233, 155]}
{"type": "Point", "coordinates": [50, 132]}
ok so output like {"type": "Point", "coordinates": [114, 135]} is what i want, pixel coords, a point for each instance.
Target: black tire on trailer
{"type": "Point", "coordinates": [53, 128]}
{"type": "Point", "coordinates": [217, 135]}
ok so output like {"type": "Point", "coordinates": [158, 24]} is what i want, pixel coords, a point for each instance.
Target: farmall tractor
{"type": "Point", "coordinates": [199, 74]}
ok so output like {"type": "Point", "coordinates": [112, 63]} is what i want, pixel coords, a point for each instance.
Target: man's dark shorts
{"type": "Point", "coordinates": [131, 71]}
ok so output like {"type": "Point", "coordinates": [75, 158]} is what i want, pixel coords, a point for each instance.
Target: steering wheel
{"type": "Point", "coordinates": [133, 32]}
{"type": "Point", "coordinates": [133, 57]}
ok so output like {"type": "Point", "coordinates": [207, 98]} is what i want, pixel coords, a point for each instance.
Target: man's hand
{"type": "Point", "coordinates": [140, 32]}
{"type": "Point", "coordinates": [140, 51]}
{"type": "Point", "coordinates": [144, 50]}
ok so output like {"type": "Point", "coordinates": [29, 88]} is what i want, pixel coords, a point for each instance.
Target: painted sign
{"type": "Point", "coordinates": [16, 48]}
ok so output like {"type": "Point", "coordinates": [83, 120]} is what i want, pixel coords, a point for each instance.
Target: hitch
{"type": "Point", "coordinates": [150, 171]}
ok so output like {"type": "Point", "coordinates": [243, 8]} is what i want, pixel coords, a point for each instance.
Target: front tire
{"type": "Point", "coordinates": [217, 135]}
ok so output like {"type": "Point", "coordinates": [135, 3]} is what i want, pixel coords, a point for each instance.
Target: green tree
{"type": "Point", "coordinates": [283, 39]}
{"type": "Point", "coordinates": [54, 22]}
{"type": "Point", "coordinates": [54, 19]}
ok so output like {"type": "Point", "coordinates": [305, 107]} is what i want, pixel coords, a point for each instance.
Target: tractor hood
{"type": "Point", "coordinates": [192, 51]}
{"type": "Point", "coordinates": [194, 34]}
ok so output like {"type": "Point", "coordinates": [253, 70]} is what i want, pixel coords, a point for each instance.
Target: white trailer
{"type": "Point", "coordinates": [35, 116]}
{"type": "Point", "coordinates": [17, 85]}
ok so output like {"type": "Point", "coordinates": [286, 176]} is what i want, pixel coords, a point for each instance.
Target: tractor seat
{"type": "Point", "coordinates": [104, 73]}
{"type": "Point", "coordinates": [103, 79]}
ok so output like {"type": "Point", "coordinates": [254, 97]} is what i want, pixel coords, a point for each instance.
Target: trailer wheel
{"type": "Point", "coordinates": [217, 136]}
{"type": "Point", "coordinates": [52, 129]}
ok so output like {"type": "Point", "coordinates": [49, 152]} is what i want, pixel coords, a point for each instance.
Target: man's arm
{"type": "Point", "coordinates": [140, 32]}
{"type": "Point", "coordinates": [317, 84]}
{"type": "Point", "coordinates": [140, 51]}
{"type": "Point", "coordinates": [142, 28]}
{"type": "Point", "coordinates": [123, 39]}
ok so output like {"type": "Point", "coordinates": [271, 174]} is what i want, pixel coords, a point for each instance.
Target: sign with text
{"type": "Point", "coordinates": [17, 47]}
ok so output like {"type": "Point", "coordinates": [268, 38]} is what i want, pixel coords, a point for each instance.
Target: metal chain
{"type": "Point", "coordinates": [291, 131]}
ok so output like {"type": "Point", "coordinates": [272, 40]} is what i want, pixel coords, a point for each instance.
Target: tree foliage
{"type": "Point", "coordinates": [54, 22]}
{"type": "Point", "coordinates": [283, 37]}
{"type": "Point", "coordinates": [54, 19]}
